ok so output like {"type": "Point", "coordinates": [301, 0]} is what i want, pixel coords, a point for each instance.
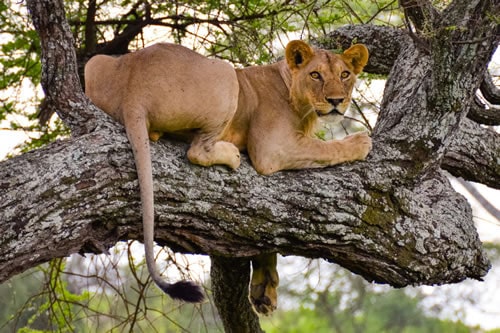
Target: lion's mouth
{"type": "Point", "coordinates": [332, 112]}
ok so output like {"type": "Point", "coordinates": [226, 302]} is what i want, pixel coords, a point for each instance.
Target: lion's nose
{"type": "Point", "coordinates": [335, 101]}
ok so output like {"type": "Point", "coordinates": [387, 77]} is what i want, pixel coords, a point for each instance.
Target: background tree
{"type": "Point", "coordinates": [388, 219]}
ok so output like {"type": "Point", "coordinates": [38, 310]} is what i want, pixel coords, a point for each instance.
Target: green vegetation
{"type": "Point", "coordinates": [105, 296]}
{"type": "Point", "coordinates": [389, 312]}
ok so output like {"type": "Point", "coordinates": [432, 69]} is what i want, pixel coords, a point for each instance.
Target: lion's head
{"type": "Point", "coordinates": [322, 81]}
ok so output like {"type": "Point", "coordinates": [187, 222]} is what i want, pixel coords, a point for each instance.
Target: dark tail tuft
{"type": "Point", "coordinates": [186, 291]}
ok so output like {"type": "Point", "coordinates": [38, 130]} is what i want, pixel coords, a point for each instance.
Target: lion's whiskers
{"type": "Point", "coordinates": [311, 110]}
{"type": "Point", "coordinates": [309, 121]}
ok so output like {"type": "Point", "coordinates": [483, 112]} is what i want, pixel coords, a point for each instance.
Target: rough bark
{"type": "Point", "coordinates": [490, 90]}
{"type": "Point", "coordinates": [230, 279]}
{"type": "Point", "coordinates": [83, 196]}
{"type": "Point", "coordinates": [393, 219]}
{"type": "Point", "coordinates": [384, 44]}
{"type": "Point", "coordinates": [482, 114]}
{"type": "Point", "coordinates": [473, 154]}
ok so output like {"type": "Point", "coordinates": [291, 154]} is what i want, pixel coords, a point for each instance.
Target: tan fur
{"type": "Point", "coordinates": [270, 111]}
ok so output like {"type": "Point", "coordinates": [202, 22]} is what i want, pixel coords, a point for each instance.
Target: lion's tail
{"type": "Point", "coordinates": [138, 136]}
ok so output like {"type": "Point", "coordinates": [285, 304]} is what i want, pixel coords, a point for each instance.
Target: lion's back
{"type": "Point", "coordinates": [167, 80]}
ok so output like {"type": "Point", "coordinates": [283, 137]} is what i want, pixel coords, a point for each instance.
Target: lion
{"type": "Point", "coordinates": [268, 111]}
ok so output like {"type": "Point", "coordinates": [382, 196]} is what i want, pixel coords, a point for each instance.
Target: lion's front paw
{"type": "Point", "coordinates": [360, 145]}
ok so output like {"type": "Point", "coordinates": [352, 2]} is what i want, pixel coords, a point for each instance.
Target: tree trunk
{"type": "Point", "coordinates": [230, 279]}
{"type": "Point", "coordinates": [392, 219]}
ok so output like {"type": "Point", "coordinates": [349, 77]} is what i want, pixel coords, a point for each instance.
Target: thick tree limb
{"type": "Point", "coordinates": [384, 44]}
{"type": "Point", "coordinates": [396, 150]}
{"type": "Point", "coordinates": [84, 196]}
{"type": "Point", "coordinates": [60, 80]}
{"type": "Point", "coordinates": [482, 115]}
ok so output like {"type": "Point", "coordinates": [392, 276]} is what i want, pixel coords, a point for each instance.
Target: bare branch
{"type": "Point", "coordinates": [421, 13]}
{"type": "Point", "coordinates": [481, 115]}
{"type": "Point", "coordinates": [489, 90]}
{"type": "Point", "coordinates": [473, 154]}
{"type": "Point", "coordinates": [90, 28]}
{"type": "Point", "coordinates": [485, 203]}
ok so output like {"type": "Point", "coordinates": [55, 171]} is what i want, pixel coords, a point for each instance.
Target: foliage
{"type": "Point", "coordinates": [243, 32]}
{"type": "Point", "coordinates": [22, 304]}
{"type": "Point", "coordinates": [20, 71]}
{"type": "Point", "coordinates": [392, 312]}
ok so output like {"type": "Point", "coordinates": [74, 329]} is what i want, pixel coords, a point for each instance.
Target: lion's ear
{"type": "Point", "coordinates": [357, 56]}
{"type": "Point", "coordinates": [298, 53]}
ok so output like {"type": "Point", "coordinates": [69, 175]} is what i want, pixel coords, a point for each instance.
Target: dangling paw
{"type": "Point", "coordinates": [265, 280]}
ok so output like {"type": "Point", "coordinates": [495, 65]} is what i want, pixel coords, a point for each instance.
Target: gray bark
{"type": "Point", "coordinates": [230, 279]}
{"type": "Point", "coordinates": [393, 219]}
{"type": "Point", "coordinates": [83, 197]}
{"type": "Point", "coordinates": [482, 114]}
{"type": "Point", "coordinates": [61, 84]}
{"type": "Point", "coordinates": [474, 154]}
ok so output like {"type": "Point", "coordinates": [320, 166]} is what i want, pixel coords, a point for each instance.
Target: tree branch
{"type": "Point", "coordinates": [421, 13]}
{"type": "Point", "coordinates": [481, 115]}
{"type": "Point", "coordinates": [60, 81]}
{"type": "Point", "coordinates": [84, 196]}
{"type": "Point", "coordinates": [387, 219]}
{"type": "Point", "coordinates": [473, 155]}
{"type": "Point", "coordinates": [90, 28]}
{"type": "Point", "coordinates": [383, 54]}
{"type": "Point", "coordinates": [489, 90]}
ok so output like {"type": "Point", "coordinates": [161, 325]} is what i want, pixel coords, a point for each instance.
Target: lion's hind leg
{"type": "Point", "coordinates": [265, 280]}
{"type": "Point", "coordinates": [206, 151]}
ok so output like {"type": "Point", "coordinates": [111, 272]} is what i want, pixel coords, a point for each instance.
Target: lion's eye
{"type": "Point", "coordinates": [315, 75]}
{"type": "Point", "coordinates": [345, 74]}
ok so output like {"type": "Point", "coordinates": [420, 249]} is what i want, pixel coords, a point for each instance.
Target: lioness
{"type": "Point", "coordinates": [269, 111]}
